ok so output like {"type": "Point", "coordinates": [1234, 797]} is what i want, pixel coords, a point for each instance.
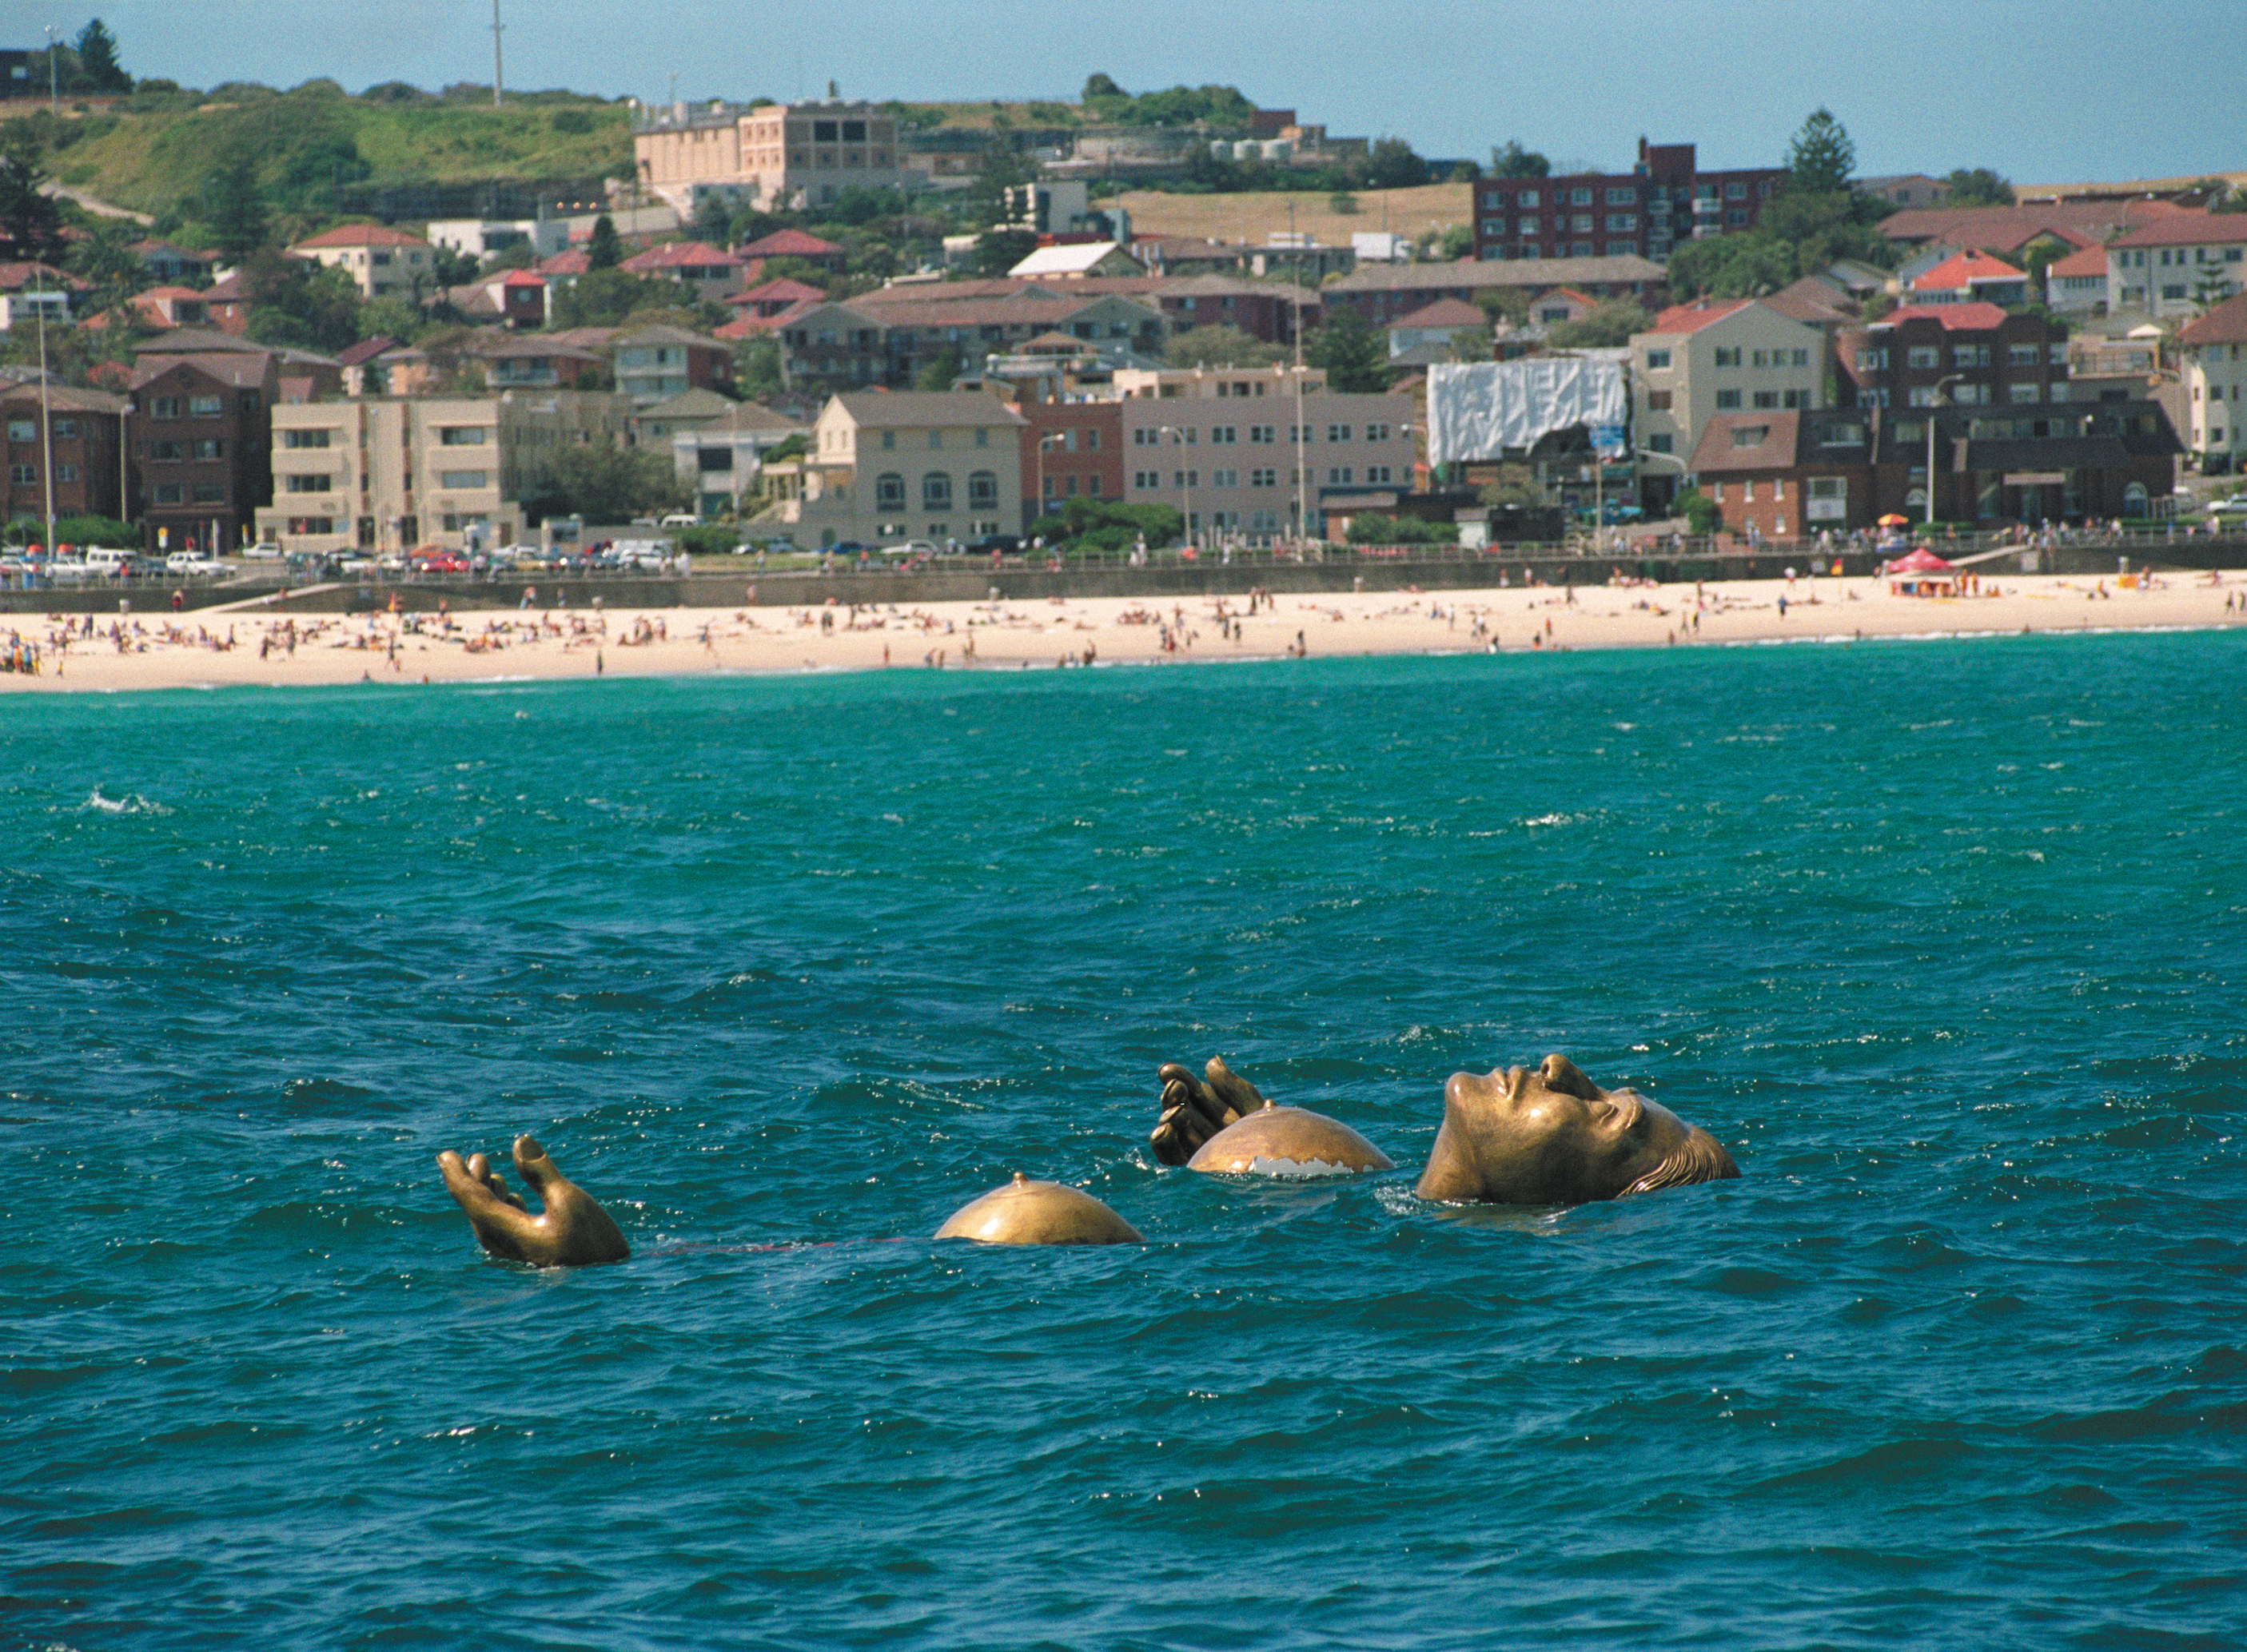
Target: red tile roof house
{"type": "Point", "coordinates": [770, 297]}
{"type": "Point", "coordinates": [380, 259]}
{"type": "Point", "coordinates": [795, 243]}
{"type": "Point", "coordinates": [712, 274]}
{"type": "Point", "coordinates": [1971, 277]}
{"type": "Point", "coordinates": [1436, 325]}
{"type": "Point", "coordinates": [158, 307]}
{"type": "Point", "coordinates": [2178, 265]}
{"type": "Point", "coordinates": [2078, 283]}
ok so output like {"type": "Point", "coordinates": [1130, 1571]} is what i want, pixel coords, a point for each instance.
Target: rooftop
{"type": "Point", "coordinates": [2225, 324]}
{"type": "Point", "coordinates": [358, 234]}
{"type": "Point", "coordinates": [921, 409]}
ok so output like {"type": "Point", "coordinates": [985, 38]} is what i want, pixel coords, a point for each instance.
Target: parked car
{"type": "Point", "coordinates": [193, 565]}
{"type": "Point", "coordinates": [438, 560]}
{"type": "Point", "coordinates": [681, 519]}
{"type": "Point", "coordinates": [1005, 544]}
{"type": "Point", "coordinates": [263, 550]}
{"type": "Point", "coordinates": [915, 547]}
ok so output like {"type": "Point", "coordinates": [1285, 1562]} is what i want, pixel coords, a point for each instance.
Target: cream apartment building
{"type": "Point", "coordinates": [889, 467]}
{"type": "Point", "coordinates": [773, 155]}
{"type": "Point", "coordinates": [1223, 446]}
{"type": "Point", "coordinates": [378, 259]}
{"type": "Point", "coordinates": [1718, 356]}
{"type": "Point", "coordinates": [2212, 374]}
{"type": "Point", "coordinates": [394, 473]}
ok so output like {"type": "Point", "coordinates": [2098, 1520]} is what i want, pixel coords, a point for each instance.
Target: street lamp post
{"type": "Point", "coordinates": [54, 98]}
{"type": "Point", "coordinates": [1928, 518]}
{"type": "Point", "coordinates": [1185, 487]}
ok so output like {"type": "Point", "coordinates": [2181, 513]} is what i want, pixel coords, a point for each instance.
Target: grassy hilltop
{"type": "Point", "coordinates": [153, 151]}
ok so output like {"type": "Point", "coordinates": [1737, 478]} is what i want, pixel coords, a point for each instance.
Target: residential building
{"type": "Point", "coordinates": [1665, 199]}
{"type": "Point", "coordinates": [796, 243]}
{"type": "Point", "coordinates": [1073, 260]}
{"type": "Point", "coordinates": [1269, 311]}
{"type": "Point", "coordinates": [1971, 277]}
{"type": "Point", "coordinates": [481, 237]}
{"type": "Point", "coordinates": [1436, 327]}
{"type": "Point", "coordinates": [1791, 475]}
{"type": "Point", "coordinates": [166, 262]}
{"type": "Point", "coordinates": [1906, 189]}
{"type": "Point", "coordinates": [200, 436]}
{"type": "Point", "coordinates": [1070, 450]}
{"type": "Point", "coordinates": [712, 274]}
{"type": "Point", "coordinates": [1383, 293]}
{"type": "Point", "coordinates": [536, 361]}
{"type": "Point", "coordinates": [1967, 355]}
{"type": "Point", "coordinates": [888, 336]}
{"type": "Point", "coordinates": [773, 298]}
{"type": "Point", "coordinates": [2212, 369]}
{"type": "Point", "coordinates": [653, 363]}
{"type": "Point", "coordinates": [379, 260]}
{"type": "Point", "coordinates": [2178, 265]}
{"type": "Point", "coordinates": [394, 473]}
{"type": "Point", "coordinates": [514, 298]}
{"type": "Point", "coordinates": [721, 456]}
{"type": "Point", "coordinates": [774, 155]}
{"type": "Point", "coordinates": [2010, 231]}
{"type": "Point", "coordinates": [691, 410]}
{"type": "Point", "coordinates": [1714, 357]}
{"type": "Point", "coordinates": [1233, 451]}
{"type": "Point", "coordinates": [2077, 283]}
{"type": "Point", "coordinates": [84, 431]}
{"type": "Point", "coordinates": [30, 289]}
{"type": "Point", "coordinates": [890, 466]}
{"type": "Point", "coordinates": [1187, 256]}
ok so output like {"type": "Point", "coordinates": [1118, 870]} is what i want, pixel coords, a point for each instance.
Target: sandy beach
{"type": "Point", "coordinates": [222, 648]}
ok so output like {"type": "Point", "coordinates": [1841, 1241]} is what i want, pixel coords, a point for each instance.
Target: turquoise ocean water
{"type": "Point", "coordinates": [1945, 940]}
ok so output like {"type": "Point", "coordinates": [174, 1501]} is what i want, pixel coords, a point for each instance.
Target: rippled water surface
{"type": "Point", "coordinates": [1945, 940]}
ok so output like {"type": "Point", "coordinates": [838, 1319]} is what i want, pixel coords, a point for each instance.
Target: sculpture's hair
{"type": "Point", "coordinates": [1700, 1157]}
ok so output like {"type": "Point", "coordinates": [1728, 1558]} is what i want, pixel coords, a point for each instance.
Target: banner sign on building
{"type": "Point", "coordinates": [1483, 410]}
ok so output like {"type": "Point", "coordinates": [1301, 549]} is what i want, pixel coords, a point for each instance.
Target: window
{"type": "Point", "coordinates": [164, 451]}
{"type": "Point", "coordinates": [1379, 475]}
{"type": "Point", "coordinates": [166, 407]}
{"type": "Point", "coordinates": [1338, 475]}
{"type": "Point", "coordinates": [210, 493]}
{"type": "Point", "coordinates": [22, 475]}
{"type": "Point", "coordinates": [1798, 356]}
{"type": "Point", "coordinates": [22, 430]}
{"type": "Point", "coordinates": [1148, 480]}
{"type": "Point", "coordinates": [1337, 433]}
{"type": "Point", "coordinates": [1224, 479]}
{"type": "Point", "coordinates": [65, 473]}
{"type": "Point", "coordinates": [1728, 400]}
{"type": "Point", "coordinates": [205, 406]}
{"type": "Point", "coordinates": [1757, 358]}
{"type": "Point", "coordinates": [301, 439]}
{"type": "Point", "coordinates": [936, 490]}
{"type": "Point", "coordinates": [983, 490]}
{"type": "Point", "coordinates": [935, 439]}
{"type": "Point", "coordinates": [1872, 361]}
{"type": "Point", "coordinates": [1223, 435]}
{"type": "Point", "coordinates": [1185, 479]}
{"type": "Point", "coordinates": [1728, 356]}
{"type": "Point", "coordinates": [1577, 197]}
{"type": "Point", "coordinates": [890, 492]}
{"type": "Point", "coordinates": [459, 436]}
{"type": "Point", "coordinates": [889, 440]}
{"type": "Point", "coordinates": [1717, 491]}
{"type": "Point", "coordinates": [1747, 492]}
{"type": "Point", "coordinates": [462, 479]}
{"type": "Point", "coordinates": [1794, 398]}
{"type": "Point", "coordinates": [1661, 442]}
{"type": "Point", "coordinates": [1529, 198]}
{"type": "Point", "coordinates": [1376, 433]}
{"type": "Point", "coordinates": [1873, 398]}
{"type": "Point", "coordinates": [1657, 359]}
{"type": "Point", "coordinates": [65, 429]}
{"type": "Point", "coordinates": [311, 484]}
{"type": "Point", "coordinates": [1736, 192]}
{"type": "Point", "coordinates": [168, 493]}
{"type": "Point", "coordinates": [1264, 476]}
{"type": "Point", "coordinates": [1923, 356]}
{"type": "Point", "coordinates": [210, 447]}
{"type": "Point", "coordinates": [1621, 222]}
{"type": "Point", "coordinates": [1749, 435]}
{"type": "Point", "coordinates": [1581, 224]}
{"type": "Point", "coordinates": [2021, 355]}
{"type": "Point", "coordinates": [1622, 195]}
{"type": "Point", "coordinates": [1970, 356]}
{"type": "Point", "coordinates": [1092, 441]}
{"type": "Point", "coordinates": [1766, 399]}
{"type": "Point", "coordinates": [982, 437]}
{"type": "Point", "coordinates": [2027, 392]}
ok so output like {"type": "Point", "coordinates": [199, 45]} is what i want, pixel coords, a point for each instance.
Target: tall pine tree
{"type": "Point", "coordinates": [1821, 159]}
{"type": "Point", "coordinates": [97, 59]}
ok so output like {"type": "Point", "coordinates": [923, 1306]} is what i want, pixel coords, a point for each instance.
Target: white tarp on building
{"type": "Point", "coordinates": [1478, 410]}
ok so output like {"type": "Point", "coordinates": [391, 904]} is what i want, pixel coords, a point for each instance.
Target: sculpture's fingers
{"type": "Point", "coordinates": [1234, 1091]}
{"type": "Point", "coordinates": [540, 1171]}
{"type": "Point", "coordinates": [1168, 1137]}
{"type": "Point", "coordinates": [479, 1167]}
{"type": "Point", "coordinates": [500, 1227]}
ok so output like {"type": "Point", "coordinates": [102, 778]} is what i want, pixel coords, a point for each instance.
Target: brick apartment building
{"type": "Point", "coordinates": [201, 443]}
{"type": "Point", "coordinates": [1971, 355]}
{"type": "Point", "coordinates": [84, 428]}
{"type": "Point", "coordinates": [1664, 201]}
{"type": "Point", "coordinates": [1070, 450]}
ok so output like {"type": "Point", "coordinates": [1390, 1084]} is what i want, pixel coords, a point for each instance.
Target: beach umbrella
{"type": "Point", "coordinates": [1894, 520]}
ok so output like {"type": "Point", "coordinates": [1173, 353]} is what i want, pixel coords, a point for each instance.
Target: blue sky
{"type": "Point", "coordinates": [2058, 91]}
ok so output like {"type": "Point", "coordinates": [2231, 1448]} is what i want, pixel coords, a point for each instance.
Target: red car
{"type": "Point", "coordinates": [438, 560]}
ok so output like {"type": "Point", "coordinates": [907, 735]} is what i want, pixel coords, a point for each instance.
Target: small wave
{"type": "Point", "coordinates": [133, 804]}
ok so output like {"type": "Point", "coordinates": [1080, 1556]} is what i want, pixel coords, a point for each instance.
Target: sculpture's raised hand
{"type": "Point", "coordinates": [1195, 1109]}
{"type": "Point", "coordinates": [572, 1231]}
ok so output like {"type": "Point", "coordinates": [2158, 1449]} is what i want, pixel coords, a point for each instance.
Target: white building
{"type": "Point", "coordinates": [2212, 371]}
{"type": "Point", "coordinates": [890, 466]}
{"type": "Point", "coordinates": [1728, 355]}
{"type": "Point", "coordinates": [2178, 265]}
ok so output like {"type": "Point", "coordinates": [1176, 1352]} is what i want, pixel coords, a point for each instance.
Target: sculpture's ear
{"type": "Point", "coordinates": [1700, 1157]}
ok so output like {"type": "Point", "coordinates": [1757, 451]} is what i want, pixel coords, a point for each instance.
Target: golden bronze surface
{"type": "Point", "coordinates": [1027, 1212]}
{"type": "Point", "coordinates": [1288, 1141]}
{"type": "Point", "coordinates": [573, 1230]}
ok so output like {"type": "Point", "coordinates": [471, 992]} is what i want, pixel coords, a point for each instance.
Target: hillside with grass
{"type": "Point", "coordinates": [155, 152]}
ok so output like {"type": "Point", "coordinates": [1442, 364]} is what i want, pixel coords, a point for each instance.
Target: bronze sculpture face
{"type": "Point", "coordinates": [1027, 1212]}
{"type": "Point", "coordinates": [1548, 1136]}
{"type": "Point", "coordinates": [1288, 1142]}
{"type": "Point", "coordinates": [573, 1230]}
